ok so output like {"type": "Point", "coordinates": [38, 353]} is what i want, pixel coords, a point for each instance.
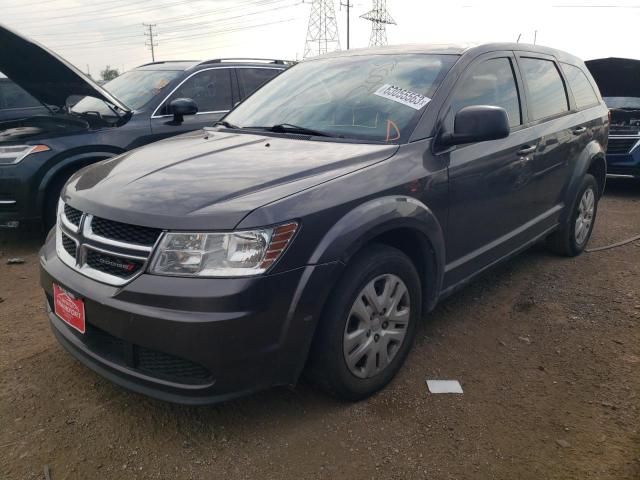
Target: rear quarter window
{"type": "Point", "coordinates": [583, 92]}
{"type": "Point", "coordinates": [253, 78]}
{"type": "Point", "coordinates": [547, 95]}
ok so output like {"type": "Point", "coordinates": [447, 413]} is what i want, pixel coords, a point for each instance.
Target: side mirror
{"type": "Point", "coordinates": [478, 123]}
{"type": "Point", "coordinates": [180, 107]}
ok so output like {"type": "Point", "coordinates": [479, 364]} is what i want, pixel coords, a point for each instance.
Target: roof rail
{"type": "Point", "coordinates": [265, 60]}
{"type": "Point", "coordinates": [167, 61]}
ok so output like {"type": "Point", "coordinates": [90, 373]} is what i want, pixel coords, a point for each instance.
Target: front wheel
{"type": "Point", "coordinates": [369, 325]}
{"type": "Point", "coordinates": [572, 238]}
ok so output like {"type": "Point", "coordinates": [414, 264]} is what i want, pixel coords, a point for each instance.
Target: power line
{"type": "Point", "coordinates": [379, 18]}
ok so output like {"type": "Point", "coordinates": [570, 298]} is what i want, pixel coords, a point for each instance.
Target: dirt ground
{"type": "Point", "coordinates": [547, 350]}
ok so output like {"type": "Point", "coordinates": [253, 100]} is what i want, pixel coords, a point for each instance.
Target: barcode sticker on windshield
{"type": "Point", "coordinates": [400, 95]}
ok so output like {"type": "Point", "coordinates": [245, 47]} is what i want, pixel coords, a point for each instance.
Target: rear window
{"type": "Point", "coordinates": [580, 86]}
{"type": "Point", "coordinates": [547, 96]}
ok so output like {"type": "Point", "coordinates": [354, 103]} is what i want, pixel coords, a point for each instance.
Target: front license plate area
{"type": "Point", "coordinates": [69, 308]}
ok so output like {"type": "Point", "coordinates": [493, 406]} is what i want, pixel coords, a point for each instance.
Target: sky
{"type": "Point", "coordinates": [93, 34]}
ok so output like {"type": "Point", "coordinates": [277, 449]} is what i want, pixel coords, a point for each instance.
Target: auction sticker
{"type": "Point", "coordinates": [400, 95]}
{"type": "Point", "coordinates": [68, 308]}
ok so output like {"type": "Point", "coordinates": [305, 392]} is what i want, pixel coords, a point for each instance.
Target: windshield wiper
{"type": "Point", "coordinates": [226, 124]}
{"type": "Point", "coordinates": [290, 128]}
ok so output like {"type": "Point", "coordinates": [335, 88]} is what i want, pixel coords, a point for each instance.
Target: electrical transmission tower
{"type": "Point", "coordinates": [322, 33]}
{"type": "Point", "coordinates": [379, 18]}
{"type": "Point", "coordinates": [151, 44]}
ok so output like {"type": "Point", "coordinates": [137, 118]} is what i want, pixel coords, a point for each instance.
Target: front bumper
{"type": "Point", "coordinates": [190, 340]}
{"type": "Point", "coordinates": [624, 163]}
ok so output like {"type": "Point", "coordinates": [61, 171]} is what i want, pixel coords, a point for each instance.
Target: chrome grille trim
{"type": "Point", "coordinates": [86, 240]}
{"type": "Point", "coordinates": [627, 137]}
{"type": "Point", "coordinates": [90, 235]}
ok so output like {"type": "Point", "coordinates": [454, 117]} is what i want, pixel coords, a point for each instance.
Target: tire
{"type": "Point", "coordinates": [573, 236]}
{"type": "Point", "coordinates": [343, 334]}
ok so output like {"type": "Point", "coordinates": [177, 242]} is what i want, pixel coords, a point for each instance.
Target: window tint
{"type": "Point", "coordinates": [253, 78]}
{"type": "Point", "coordinates": [210, 89]}
{"type": "Point", "coordinates": [547, 95]}
{"type": "Point", "coordinates": [491, 83]}
{"type": "Point", "coordinates": [12, 96]}
{"type": "Point", "coordinates": [580, 86]}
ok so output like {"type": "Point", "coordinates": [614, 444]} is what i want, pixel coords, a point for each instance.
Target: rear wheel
{"type": "Point", "coordinates": [369, 325]}
{"type": "Point", "coordinates": [572, 238]}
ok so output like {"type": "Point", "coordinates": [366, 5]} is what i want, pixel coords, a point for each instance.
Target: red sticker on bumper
{"type": "Point", "coordinates": [69, 309]}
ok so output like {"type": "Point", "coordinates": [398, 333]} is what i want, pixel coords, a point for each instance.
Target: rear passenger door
{"type": "Point", "coordinates": [252, 78]}
{"type": "Point", "coordinates": [489, 181]}
{"type": "Point", "coordinates": [212, 91]}
{"type": "Point", "coordinates": [555, 126]}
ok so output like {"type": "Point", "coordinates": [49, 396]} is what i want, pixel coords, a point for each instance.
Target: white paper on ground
{"type": "Point", "coordinates": [444, 386]}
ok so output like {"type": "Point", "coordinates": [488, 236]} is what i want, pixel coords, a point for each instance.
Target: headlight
{"type": "Point", "coordinates": [13, 154]}
{"type": "Point", "coordinates": [232, 254]}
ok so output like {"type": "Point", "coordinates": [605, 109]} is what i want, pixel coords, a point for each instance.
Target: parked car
{"type": "Point", "coordinates": [619, 83]}
{"type": "Point", "coordinates": [38, 154]}
{"type": "Point", "coordinates": [324, 217]}
{"type": "Point", "coordinates": [16, 103]}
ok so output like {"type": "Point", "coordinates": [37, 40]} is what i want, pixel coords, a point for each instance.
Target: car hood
{"type": "Point", "coordinates": [211, 179]}
{"type": "Point", "coordinates": [46, 76]}
{"type": "Point", "coordinates": [616, 77]}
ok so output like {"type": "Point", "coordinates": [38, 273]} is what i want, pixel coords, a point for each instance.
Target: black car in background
{"type": "Point", "coordinates": [323, 218]}
{"type": "Point", "coordinates": [619, 83]}
{"type": "Point", "coordinates": [87, 123]}
{"type": "Point", "coordinates": [16, 103]}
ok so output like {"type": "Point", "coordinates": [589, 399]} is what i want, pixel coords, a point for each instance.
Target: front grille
{"type": "Point", "coordinates": [69, 245]}
{"type": "Point", "coordinates": [72, 215]}
{"type": "Point", "coordinates": [113, 265]}
{"type": "Point", "coordinates": [123, 232]}
{"type": "Point", "coordinates": [621, 145]}
{"type": "Point", "coordinates": [624, 129]}
{"type": "Point", "coordinates": [105, 250]}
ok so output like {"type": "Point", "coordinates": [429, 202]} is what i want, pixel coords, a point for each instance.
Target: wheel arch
{"type": "Point", "coordinates": [67, 165]}
{"type": "Point", "coordinates": [592, 160]}
{"type": "Point", "coordinates": [398, 221]}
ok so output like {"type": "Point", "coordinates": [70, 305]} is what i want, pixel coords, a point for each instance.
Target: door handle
{"type": "Point", "coordinates": [523, 152]}
{"type": "Point", "coordinates": [579, 130]}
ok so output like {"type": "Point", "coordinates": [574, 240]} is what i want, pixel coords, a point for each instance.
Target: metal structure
{"type": "Point", "coordinates": [322, 33]}
{"type": "Point", "coordinates": [380, 18]}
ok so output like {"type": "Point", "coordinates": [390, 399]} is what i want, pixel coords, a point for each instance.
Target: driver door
{"type": "Point", "coordinates": [210, 89]}
{"type": "Point", "coordinates": [489, 182]}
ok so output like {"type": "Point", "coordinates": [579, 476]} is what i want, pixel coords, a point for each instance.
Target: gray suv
{"type": "Point", "coordinates": [322, 219]}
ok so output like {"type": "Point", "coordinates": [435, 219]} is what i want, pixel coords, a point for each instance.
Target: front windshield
{"type": "Point", "coordinates": [622, 102]}
{"type": "Point", "coordinates": [134, 88]}
{"type": "Point", "coordinates": [367, 97]}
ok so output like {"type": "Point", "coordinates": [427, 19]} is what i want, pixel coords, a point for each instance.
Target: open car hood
{"type": "Point", "coordinates": [616, 77]}
{"type": "Point", "coordinates": [46, 76]}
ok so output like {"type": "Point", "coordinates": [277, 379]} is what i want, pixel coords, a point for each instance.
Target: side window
{"type": "Point", "coordinates": [491, 83]}
{"type": "Point", "coordinates": [547, 95]}
{"type": "Point", "coordinates": [580, 86]}
{"type": "Point", "coordinates": [253, 78]}
{"type": "Point", "coordinates": [210, 89]}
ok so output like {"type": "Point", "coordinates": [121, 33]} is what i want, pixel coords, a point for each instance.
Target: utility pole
{"type": "Point", "coordinates": [151, 43]}
{"type": "Point", "coordinates": [535, 36]}
{"type": "Point", "coordinates": [322, 32]}
{"type": "Point", "coordinates": [348, 6]}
